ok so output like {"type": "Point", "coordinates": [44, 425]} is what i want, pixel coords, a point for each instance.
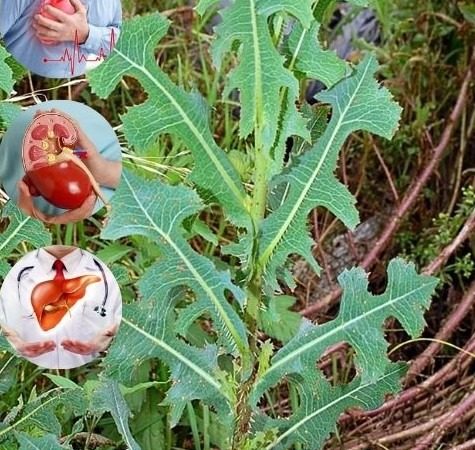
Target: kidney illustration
{"type": "Point", "coordinates": [52, 170]}
{"type": "Point", "coordinates": [64, 5]}
{"type": "Point", "coordinates": [53, 299]}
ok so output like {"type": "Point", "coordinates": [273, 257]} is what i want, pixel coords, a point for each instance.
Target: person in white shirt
{"type": "Point", "coordinates": [60, 307]}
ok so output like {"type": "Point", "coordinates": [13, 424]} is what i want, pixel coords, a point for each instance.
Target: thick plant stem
{"type": "Point", "coordinates": [243, 414]}
{"type": "Point", "coordinates": [259, 205]}
{"type": "Point", "coordinates": [254, 290]}
{"type": "Point", "coordinates": [259, 199]}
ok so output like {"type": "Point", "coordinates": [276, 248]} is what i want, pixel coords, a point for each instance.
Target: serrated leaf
{"type": "Point", "coordinates": [40, 412]}
{"type": "Point", "coordinates": [21, 228]}
{"type": "Point", "coordinates": [260, 75]}
{"type": "Point", "coordinates": [278, 321]}
{"type": "Point", "coordinates": [359, 323]}
{"type": "Point", "coordinates": [148, 331]}
{"type": "Point", "coordinates": [107, 397]}
{"type": "Point", "coordinates": [6, 73]}
{"type": "Point", "coordinates": [309, 58]}
{"type": "Point", "coordinates": [322, 404]}
{"type": "Point", "coordinates": [155, 210]}
{"type": "Point", "coordinates": [48, 442]}
{"type": "Point", "coordinates": [169, 110]}
{"type": "Point", "coordinates": [8, 113]}
{"type": "Point", "coordinates": [358, 103]}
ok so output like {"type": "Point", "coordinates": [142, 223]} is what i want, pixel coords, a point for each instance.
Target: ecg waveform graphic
{"type": "Point", "coordinates": [78, 57]}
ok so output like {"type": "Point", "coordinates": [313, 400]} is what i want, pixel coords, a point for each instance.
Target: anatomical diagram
{"type": "Point", "coordinates": [53, 164]}
{"type": "Point", "coordinates": [52, 300]}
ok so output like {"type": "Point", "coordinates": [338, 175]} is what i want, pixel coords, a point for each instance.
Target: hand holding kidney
{"type": "Point", "coordinates": [50, 170]}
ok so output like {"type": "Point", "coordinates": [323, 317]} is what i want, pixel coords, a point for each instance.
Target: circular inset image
{"type": "Point", "coordinates": [60, 161]}
{"type": "Point", "coordinates": [60, 307]}
{"type": "Point", "coordinates": [60, 38]}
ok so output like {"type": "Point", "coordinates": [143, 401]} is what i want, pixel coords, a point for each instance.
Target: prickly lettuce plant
{"type": "Point", "coordinates": [237, 367]}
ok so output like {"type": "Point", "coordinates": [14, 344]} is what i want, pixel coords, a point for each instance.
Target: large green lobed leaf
{"type": "Point", "coordinates": [359, 323]}
{"type": "Point", "coordinates": [148, 331]}
{"type": "Point", "coordinates": [169, 110]}
{"type": "Point", "coordinates": [358, 103]}
{"type": "Point", "coordinates": [322, 404]}
{"type": "Point", "coordinates": [155, 210]}
{"type": "Point", "coordinates": [260, 75]}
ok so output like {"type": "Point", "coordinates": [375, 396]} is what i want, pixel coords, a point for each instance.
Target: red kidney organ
{"type": "Point", "coordinates": [62, 183]}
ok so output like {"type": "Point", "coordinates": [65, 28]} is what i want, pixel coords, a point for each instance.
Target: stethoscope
{"type": "Point", "coordinates": [100, 309]}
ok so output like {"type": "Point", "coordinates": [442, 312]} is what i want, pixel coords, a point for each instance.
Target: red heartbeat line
{"type": "Point", "coordinates": [78, 57]}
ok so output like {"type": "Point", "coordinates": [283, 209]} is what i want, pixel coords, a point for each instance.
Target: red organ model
{"type": "Point", "coordinates": [52, 169]}
{"type": "Point", "coordinates": [53, 299]}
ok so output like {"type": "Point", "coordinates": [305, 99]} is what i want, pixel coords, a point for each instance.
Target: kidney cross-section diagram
{"type": "Point", "coordinates": [53, 167]}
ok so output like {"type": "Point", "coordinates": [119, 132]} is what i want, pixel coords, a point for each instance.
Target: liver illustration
{"type": "Point", "coordinates": [53, 299]}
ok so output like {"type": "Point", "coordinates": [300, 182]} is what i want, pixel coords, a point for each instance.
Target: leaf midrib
{"type": "Point", "coordinates": [210, 380]}
{"type": "Point", "coordinates": [124, 426]}
{"type": "Point", "coordinates": [266, 254]}
{"type": "Point", "coordinates": [194, 272]}
{"type": "Point", "coordinates": [336, 330]}
{"type": "Point", "coordinates": [14, 233]}
{"type": "Point", "coordinates": [31, 413]}
{"type": "Point", "coordinates": [324, 408]}
{"type": "Point", "coordinates": [221, 170]}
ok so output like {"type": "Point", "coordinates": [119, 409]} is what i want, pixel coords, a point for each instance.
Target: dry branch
{"type": "Point", "coordinates": [444, 334]}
